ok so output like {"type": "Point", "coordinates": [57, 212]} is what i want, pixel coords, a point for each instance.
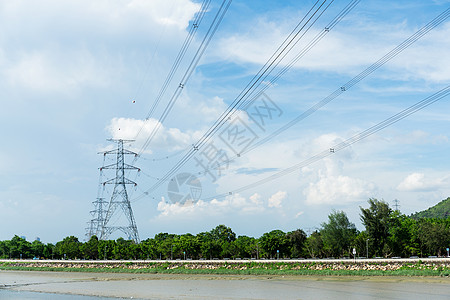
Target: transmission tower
{"type": "Point", "coordinates": [98, 214]}
{"type": "Point", "coordinates": [96, 223]}
{"type": "Point", "coordinates": [397, 205]}
{"type": "Point", "coordinates": [119, 204]}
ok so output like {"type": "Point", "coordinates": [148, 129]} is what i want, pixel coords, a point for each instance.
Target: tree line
{"type": "Point", "coordinates": [388, 233]}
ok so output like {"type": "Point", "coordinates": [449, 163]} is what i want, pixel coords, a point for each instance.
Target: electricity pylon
{"type": "Point", "coordinates": [98, 214]}
{"type": "Point", "coordinates": [397, 205]}
{"type": "Point", "coordinates": [119, 204]}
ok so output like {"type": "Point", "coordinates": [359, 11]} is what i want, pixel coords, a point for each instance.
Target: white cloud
{"type": "Point", "coordinates": [276, 199]}
{"type": "Point", "coordinates": [247, 47]}
{"type": "Point", "coordinates": [46, 71]}
{"type": "Point", "coordinates": [199, 109]}
{"type": "Point", "coordinates": [171, 139]}
{"type": "Point", "coordinates": [348, 50]}
{"type": "Point", "coordinates": [416, 182]}
{"type": "Point", "coordinates": [175, 12]}
{"type": "Point", "coordinates": [107, 17]}
{"type": "Point", "coordinates": [420, 137]}
{"type": "Point", "coordinates": [299, 214]}
{"type": "Point", "coordinates": [328, 184]}
{"type": "Point", "coordinates": [235, 204]}
{"type": "Point", "coordinates": [338, 190]}
{"type": "Point", "coordinates": [324, 142]}
{"type": "Point", "coordinates": [65, 54]}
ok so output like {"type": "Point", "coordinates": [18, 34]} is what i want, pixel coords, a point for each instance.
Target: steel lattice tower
{"type": "Point", "coordinates": [397, 205]}
{"type": "Point", "coordinates": [119, 203]}
{"type": "Point", "coordinates": [98, 214]}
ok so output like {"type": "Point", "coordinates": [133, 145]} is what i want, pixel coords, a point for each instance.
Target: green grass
{"type": "Point", "coordinates": [251, 269]}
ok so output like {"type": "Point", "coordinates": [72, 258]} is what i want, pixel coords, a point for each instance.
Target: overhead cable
{"type": "Point", "coordinates": [338, 147]}
{"type": "Point", "coordinates": [312, 15]}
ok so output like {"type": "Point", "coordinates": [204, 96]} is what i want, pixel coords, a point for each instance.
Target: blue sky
{"type": "Point", "coordinates": [70, 71]}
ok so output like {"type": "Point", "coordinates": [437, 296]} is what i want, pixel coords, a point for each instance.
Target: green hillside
{"type": "Point", "coordinates": [440, 211]}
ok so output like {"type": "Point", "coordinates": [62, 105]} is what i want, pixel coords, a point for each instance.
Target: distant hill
{"type": "Point", "coordinates": [440, 211]}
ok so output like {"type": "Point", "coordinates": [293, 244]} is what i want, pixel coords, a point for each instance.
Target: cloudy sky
{"type": "Point", "coordinates": [76, 73]}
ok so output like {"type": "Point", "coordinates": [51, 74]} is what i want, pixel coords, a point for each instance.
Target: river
{"type": "Point", "coordinates": [87, 286]}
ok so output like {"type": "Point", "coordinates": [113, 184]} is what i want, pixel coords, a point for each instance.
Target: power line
{"type": "Point", "coordinates": [312, 15]}
{"type": "Point", "coordinates": [424, 30]}
{"type": "Point", "coordinates": [280, 53]}
{"type": "Point", "coordinates": [304, 51]}
{"type": "Point", "coordinates": [193, 29]}
{"type": "Point", "coordinates": [200, 51]}
{"type": "Point", "coordinates": [352, 82]}
{"type": "Point", "coordinates": [141, 84]}
{"type": "Point", "coordinates": [338, 147]}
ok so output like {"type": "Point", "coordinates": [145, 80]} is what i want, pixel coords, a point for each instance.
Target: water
{"type": "Point", "coordinates": [67, 286]}
{"type": "Point", "coordinates": [20, 295]}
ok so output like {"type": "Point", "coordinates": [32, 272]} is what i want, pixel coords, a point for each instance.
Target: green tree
{"type": "Point", "coordinates": [134, 251]}
{"type": "Point", "coordinates": [229, 250]}
{"type": "Point", "coordinates": [297, 239]}
{"type": "Point", "coordinates": [245, 247]}
{"type": "Point", "coordinates": [122, 249]}
{"type": "Point", "coordinates": [314, 245]}
{"type": "Point", "coordinates": [19, 247]}
{"type": "Point", "coordinates": [274, 241]}
{"type": "Point", "coordinates": [4, 249]}
{"type": "Point", "coordinates": [149, 249]}
{"type": "Point", "coordinates": [223, 233]}
{"type": "Point", "coordinates": [186, 244]}
{"type": "Point", "coordinates": [376, 219]}
{"type": "Point", "coordinates": [338, 233]}
{"type": "Point", "coordinates": [361, 243]}
{"type": "Point", "coordinates": [434, 235]}
{"type": "Point", "coordinates": [401, 239]}
{"type": "Point", "coordinates": [49, 251]}
{"type": "Point", "coordinates": [69, 248]}
{"type": "Point", "coordinates": [37, 249]}
{"type": "Point", "coordinates": [106, 248]}
{"type": "Point", "coordinates": [89, 249]}
{"type": "Point", "coordinates": [209, 247]}
{"type": "Point", "coordinates": [166, 245]}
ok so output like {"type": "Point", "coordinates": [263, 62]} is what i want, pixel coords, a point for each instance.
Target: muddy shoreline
{"type": "Point", "coordinates": [186, 286]}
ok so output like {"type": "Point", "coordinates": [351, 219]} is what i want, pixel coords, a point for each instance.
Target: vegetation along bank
{"type": "Point", "coordinates": [427, 267]}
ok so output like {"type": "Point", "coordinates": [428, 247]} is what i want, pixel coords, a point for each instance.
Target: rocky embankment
{"type": "Point", "coordinates": [337, 265]}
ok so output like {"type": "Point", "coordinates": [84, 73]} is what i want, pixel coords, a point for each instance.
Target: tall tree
{"type": "Point", "coordinates": [338, 233]}
{"type": "Point", "coordinates": [434, 235]}
{"type": "Point", "coordinates": [19, 248]}
{"type": "Point", "coordinates": [376, 219]}
{"type": "Point", "coordinates": [401, 235]}
{"type": "Point", "coordinates": [245, 246]}
{"type": "Point", "coordinates": [122, 249]}
{"type": "Point", "coordinates": [223, 233]}
{"type": "Point", "coordinates": [314, 245]}
{"type": "Point", "coordinates": [106, 248]}
{"type": "Point", "coordinates": [69, 247]}
{"type": "Point", "coordinates": [149, 249]}
{"type": "Point", "coordinates": [37, 249]}
{"type": "Point", "coordinates": [209, 247]}
{"type": "Point", "coordinates": [297, 239]}
{"type": "Point", "coordinates": [274, 242]}
{"type": "Point", "coordinates": [89, 249]}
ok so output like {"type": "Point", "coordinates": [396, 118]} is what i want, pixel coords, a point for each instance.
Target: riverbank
{"type": "Point", "coordinates": [392, 267]}
{"type": "Point", "coordinates": [210, 286]}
